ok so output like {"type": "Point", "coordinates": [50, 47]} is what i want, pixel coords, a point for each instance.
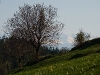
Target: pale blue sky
{"type": "Point", "coordinates": [75, 14]}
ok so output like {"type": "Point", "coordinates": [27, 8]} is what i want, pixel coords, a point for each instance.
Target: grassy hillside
{"type": "Point", "coordinates": [83, 61]}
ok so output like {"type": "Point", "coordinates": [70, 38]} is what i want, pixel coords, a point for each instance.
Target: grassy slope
{"type": "Point", "coordinates": [79, 62]}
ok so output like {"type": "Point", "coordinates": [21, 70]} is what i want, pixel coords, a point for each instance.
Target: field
{"type": "Point", "coordinates": [84, 61]}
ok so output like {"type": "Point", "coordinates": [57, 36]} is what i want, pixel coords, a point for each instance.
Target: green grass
{"type": "Point", "coordinates": [79, 62]}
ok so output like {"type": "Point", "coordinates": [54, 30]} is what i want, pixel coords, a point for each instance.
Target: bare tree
{"type": "Point", "coordinates": [36, 24]}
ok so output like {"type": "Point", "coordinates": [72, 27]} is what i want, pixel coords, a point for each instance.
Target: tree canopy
{"type": "Point", "coordinates": [36, 24]}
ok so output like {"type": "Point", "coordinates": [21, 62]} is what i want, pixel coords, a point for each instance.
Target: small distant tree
{"type": "Point", "coordinates": [36, 25]}
{"type": "Point", "coordinates": [81, 37]}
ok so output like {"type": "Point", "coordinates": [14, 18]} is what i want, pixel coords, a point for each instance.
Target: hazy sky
{"type": "Point", "coordinates": [75, 14]}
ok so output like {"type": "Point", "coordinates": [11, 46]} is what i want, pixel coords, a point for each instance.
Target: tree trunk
{"type": "Point", "coordinates": [19, 63]}
{"type": "Point", "coordinates": [36, 54]}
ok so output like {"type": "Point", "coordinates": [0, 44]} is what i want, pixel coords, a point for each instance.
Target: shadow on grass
{"type": "Point", "coordinates": [77, 56]}
{"type": "Point", "coordinates": [30, 63]}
